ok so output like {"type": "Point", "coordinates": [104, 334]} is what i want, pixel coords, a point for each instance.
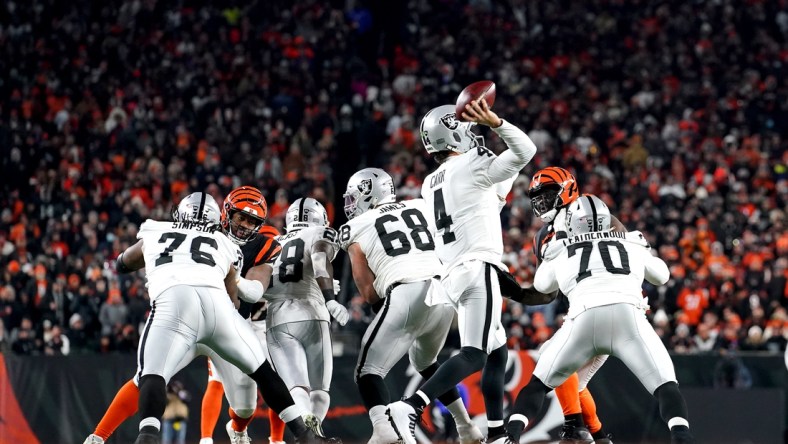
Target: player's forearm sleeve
{"type": "Point", "coordinates": [544, 281]}
{"type": "Point", "coordinates": [510, 162]}
{"type": "Point", "coordinates": [250, 290]}
{"type": "Point", "coordinates": [657, 271]}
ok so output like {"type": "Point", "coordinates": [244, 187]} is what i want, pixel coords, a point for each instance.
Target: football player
{"type": "Point", "coordinates": [191, 266]}
{"type": "Point", "coordinates": [300, 300]}
{"type": "Point", "coordinates": [243, 215]}
{"type": "Point", "coordinates": [552, 189]}
{"type": "Point", "coordinates": [392, 255]}
{"type": "Point", "coordinates": [463, 197]}
{"type": "Point", "coordinates": [601, 273]}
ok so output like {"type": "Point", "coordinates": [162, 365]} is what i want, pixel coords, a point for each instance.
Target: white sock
{"type": "Point", "coordinates": [291, 413]}
{"type": "Point", "coordinates": [378, 414]}
{"type": "Point", "coordinates": [678, 421]}
{"type": "Point", "coordinates": [206, 441]}
{"type": "Point", "coordinates": [301, 398]}
{"type": "Point", "coordinates": [320, 401]}
{"type": "Point", "coordinates": [458, 412]}
{"type": "Point", "coordinates": [150, 422]}
{"type": "Point", "coordinates": [491, 424]}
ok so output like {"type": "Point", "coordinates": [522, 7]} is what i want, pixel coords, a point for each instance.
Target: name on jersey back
{"type": "Point", "coordinates": [597, 235]}
{"type": "Point", "coordinates": [391, 207]}
{"type": "Point", "coordinates": [208, 227]}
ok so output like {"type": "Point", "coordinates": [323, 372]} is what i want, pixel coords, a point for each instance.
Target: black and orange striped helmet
{"type": "Point", "coordinates": [247, 200]}
{"type": "Point", "coordinates": [551, 189]}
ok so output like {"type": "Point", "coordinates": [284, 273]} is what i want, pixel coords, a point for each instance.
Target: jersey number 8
{"type": "Point", "coordinates": [418, 227]}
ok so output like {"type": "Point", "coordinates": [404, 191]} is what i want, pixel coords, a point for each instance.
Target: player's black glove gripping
{"type": "Point", "coordinates": [511, 289]}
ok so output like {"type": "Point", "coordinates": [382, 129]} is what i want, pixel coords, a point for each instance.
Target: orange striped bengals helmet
{"type": "Point", "coordinates": [551, 189]}
{"type": "Point", "coordinates": [250, 201]}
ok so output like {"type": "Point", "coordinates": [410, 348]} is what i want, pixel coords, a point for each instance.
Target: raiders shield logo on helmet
{"type": "Point", "coordinates": [450, 121]}
{"type": "Point", "coordinates": [365, 186]}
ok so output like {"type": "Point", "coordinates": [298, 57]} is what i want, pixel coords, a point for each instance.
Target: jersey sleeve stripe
{"type": "Point", "coordinates": [269, 249]}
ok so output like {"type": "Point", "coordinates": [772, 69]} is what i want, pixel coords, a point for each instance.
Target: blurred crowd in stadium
{"type": "Point", "coordinates": [675, 113]}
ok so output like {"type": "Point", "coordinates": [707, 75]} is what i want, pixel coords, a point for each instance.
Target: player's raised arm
{"type": "Point", "coordinates": [131, 260]}
{"type": "Point", "coordinates": [521, 148]}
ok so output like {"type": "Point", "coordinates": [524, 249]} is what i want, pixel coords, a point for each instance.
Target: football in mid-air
{"type": "Point", "coordinates": [475, 91]}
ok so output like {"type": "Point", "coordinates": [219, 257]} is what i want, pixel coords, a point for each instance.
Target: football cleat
{"type": "Point", "coordinates": [271, 441]}
{"type": "Point", "coordinates": [147, 438]}
{"type": "Point", "coordinates": [681, 437]}
{"type": "Point", "coordinates": [93, 439]}
{"type": "Point", "coordinates": [403, 418]}
{"type": "Point", "coordinates": [313, 424]}
{"type": "Point", "coordinates": [206, 441]}
{"type": "Point", "coordinates": [469, 434]}
{"type": "Point", "coordinates": [309, 437]}
{"type": "Point", "coordinates": [606, 440]}
{"type": "Point", "coordinates": [237, 437]}
{"type": "Point", "coordinates": [383, 433]}
{"type": "Point", "coordinates": [500, 439]}
{"type": "Point", "coordinates": [575, 435]}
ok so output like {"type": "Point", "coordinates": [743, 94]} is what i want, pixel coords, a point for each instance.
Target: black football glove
{"type": "Point", "coordinates": [511, 289]}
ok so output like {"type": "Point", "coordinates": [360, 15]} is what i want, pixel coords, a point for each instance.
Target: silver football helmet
{"type": "Point", "coordinates": [586, 214]}
{"type": "Point", "coordinates": [367, 189]}
{"type": "Point", "coordinates": [198, 207]}
{"type": "Point", "coordinates": [441, 131]}
{"type": "Point", "coordinates": [305, 212]}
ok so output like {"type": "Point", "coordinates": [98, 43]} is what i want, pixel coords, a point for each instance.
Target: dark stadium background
{"type": "Point", "coordinates": [673, 112]}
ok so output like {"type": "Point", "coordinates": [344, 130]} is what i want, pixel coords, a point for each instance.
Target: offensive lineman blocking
{"type": "Point", "coordinates": [189, 286]}
{"type": "Point", "coordinates": [392, 255]}
{"type": "Point", "coordinates": [601, 273]}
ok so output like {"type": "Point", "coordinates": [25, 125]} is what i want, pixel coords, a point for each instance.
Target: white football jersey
{"type": "Point", "coordinates": [294, 294]}
{"type": "Point", "coordinates": [186, 253]}
{"type": "Point", "coordinates": [396, 241]}
{"type": "Point", "coordinates": [601, 268]}
{"type": "Point", "coordinates": [463, 204]}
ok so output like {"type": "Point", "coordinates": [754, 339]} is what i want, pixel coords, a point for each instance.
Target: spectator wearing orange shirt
{"type": "Point", "coordinates": [693, 300]}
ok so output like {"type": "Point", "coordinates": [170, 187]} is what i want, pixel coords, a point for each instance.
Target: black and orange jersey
{"type": "Point", "coordinates": [262, 249]}
{"type": "Point", "coordinates": [541, 239]}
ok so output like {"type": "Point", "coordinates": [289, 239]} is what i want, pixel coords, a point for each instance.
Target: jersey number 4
{"type": "Point", "coordinates": [199, 256]}
{"type": "Point", "coordinates": [604, 251]}
{"type": "Point", "coordinates": [418, 226]}
{"type": "Point", "coordinates": [442, 219]}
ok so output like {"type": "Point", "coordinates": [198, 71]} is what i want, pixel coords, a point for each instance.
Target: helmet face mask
{"type": "Point", "coordinates": [367, 189]}
{"type": "Point", "coordinates": [197, 207]}
{"type": "Point", "coordinates": [243, 214]}
{"type": "Point", "coordinates": [304, 213]}
{"type": "Point", "coordinates": [551, 189]}
{"type": "Point", "coordinates": [441, 131]}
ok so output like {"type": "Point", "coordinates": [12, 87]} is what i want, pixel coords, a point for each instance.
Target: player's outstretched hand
{"type": "Point", "coordinates": [338, 312]}
{"type": "Point", "coordinates": [478, 112]}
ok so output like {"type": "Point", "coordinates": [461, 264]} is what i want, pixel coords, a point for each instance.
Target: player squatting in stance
{"type": "Point", "coordinates": [552, 190]}
{"type": "Point", "coordinates": [300, 299]}
{"type": "Point", "coordinates": [392, 255]}
{"type": "Point", "coordinates": [190, 267]}
{"type": "Point", "coordinates": [601, 272]}
{"type": "Point", "coordinates": [243, 214]}
{"type": "Point", "coordinates": [464, 196]}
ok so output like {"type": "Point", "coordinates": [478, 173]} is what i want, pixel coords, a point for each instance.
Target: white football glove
{"type": "Point", "coordinates": [337, 288]}
{"type": "Point", "coordinates": [338, 312]}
